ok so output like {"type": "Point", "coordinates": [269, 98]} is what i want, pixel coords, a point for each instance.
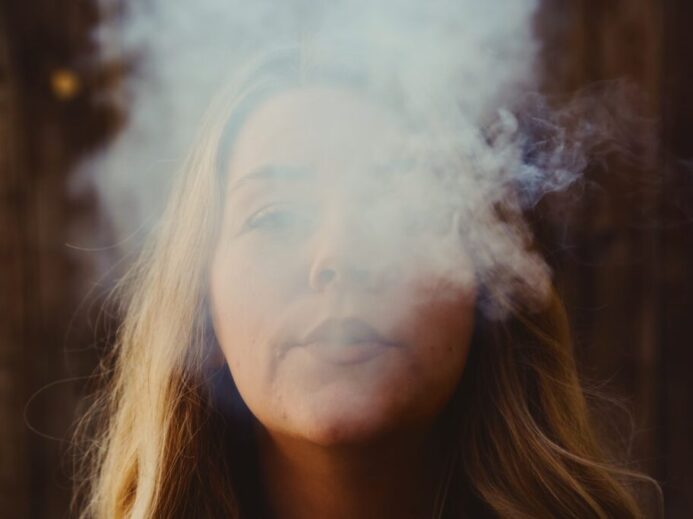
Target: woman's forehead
{"type": "Point", "coordinates": [320, 128]}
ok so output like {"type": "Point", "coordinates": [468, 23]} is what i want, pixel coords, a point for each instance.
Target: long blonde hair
{"type": "Point", "coordinates": [161, 444]}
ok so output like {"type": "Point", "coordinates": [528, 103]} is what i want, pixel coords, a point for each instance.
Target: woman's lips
{"type": "Point", "coordinates": [345, 341]}
{"type": "Point", "coordinates": [346, 353]}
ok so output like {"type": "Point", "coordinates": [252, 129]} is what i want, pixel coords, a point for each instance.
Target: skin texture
{"type": "Point", "coordinates": [296, 251]}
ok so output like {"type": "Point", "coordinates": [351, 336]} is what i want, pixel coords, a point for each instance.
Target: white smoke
{"type": "Point", "coordinates": [465, 64]}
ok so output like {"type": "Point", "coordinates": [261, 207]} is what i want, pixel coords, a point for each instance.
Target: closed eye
{"type": "Point", "coordinates": [278, 218]}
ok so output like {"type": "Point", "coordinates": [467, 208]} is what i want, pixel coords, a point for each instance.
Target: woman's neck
{"type": "Point", "coordinates": [395, 477]}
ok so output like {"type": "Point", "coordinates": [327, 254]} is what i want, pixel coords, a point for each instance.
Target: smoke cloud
{"type": "Point", "coordinates": [462, 73]}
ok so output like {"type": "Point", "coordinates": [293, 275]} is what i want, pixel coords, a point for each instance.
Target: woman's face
{"type": "Point", "coordinates": [330, 331]}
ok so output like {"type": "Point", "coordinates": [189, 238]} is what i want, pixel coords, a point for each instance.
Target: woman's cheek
{"type": "Point", "coordinates": [441, 325]}
{"type": "Point", "coordinates": [250, 291]}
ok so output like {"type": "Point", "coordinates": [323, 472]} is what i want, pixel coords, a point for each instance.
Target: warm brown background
{"type": "Point", "coordinates": [621, 255]}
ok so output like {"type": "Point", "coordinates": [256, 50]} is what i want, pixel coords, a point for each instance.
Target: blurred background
{"type": "Point", "coordinates": [621, 253]}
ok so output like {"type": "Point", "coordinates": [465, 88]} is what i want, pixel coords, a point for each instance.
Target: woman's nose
{"type": "Point", "coordinates": [340, 258]}
{"type": "Point", "coordinates": [334, 271]}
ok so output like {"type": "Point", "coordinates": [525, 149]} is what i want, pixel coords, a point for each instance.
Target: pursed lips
{"type": "Point", "coordinates": [345, 341]}
{"type": "Point", "coordinates": [345, 331]}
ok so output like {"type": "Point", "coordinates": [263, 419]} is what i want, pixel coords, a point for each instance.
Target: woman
{"type": "Point", "coordinates": [285, 355]}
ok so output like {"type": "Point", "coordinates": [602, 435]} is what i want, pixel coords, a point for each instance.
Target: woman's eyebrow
{"type": "Point", "coordinates": [271, 172]}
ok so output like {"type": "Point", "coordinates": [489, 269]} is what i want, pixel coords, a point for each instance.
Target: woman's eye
{"type": "Point", "coordinates": [277, 219]}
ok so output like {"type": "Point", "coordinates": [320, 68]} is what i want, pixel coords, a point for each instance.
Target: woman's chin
{"type": "Point", "coordinates": [342, 432]}
{"type": "Point", "coordinates": [347, 419]}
